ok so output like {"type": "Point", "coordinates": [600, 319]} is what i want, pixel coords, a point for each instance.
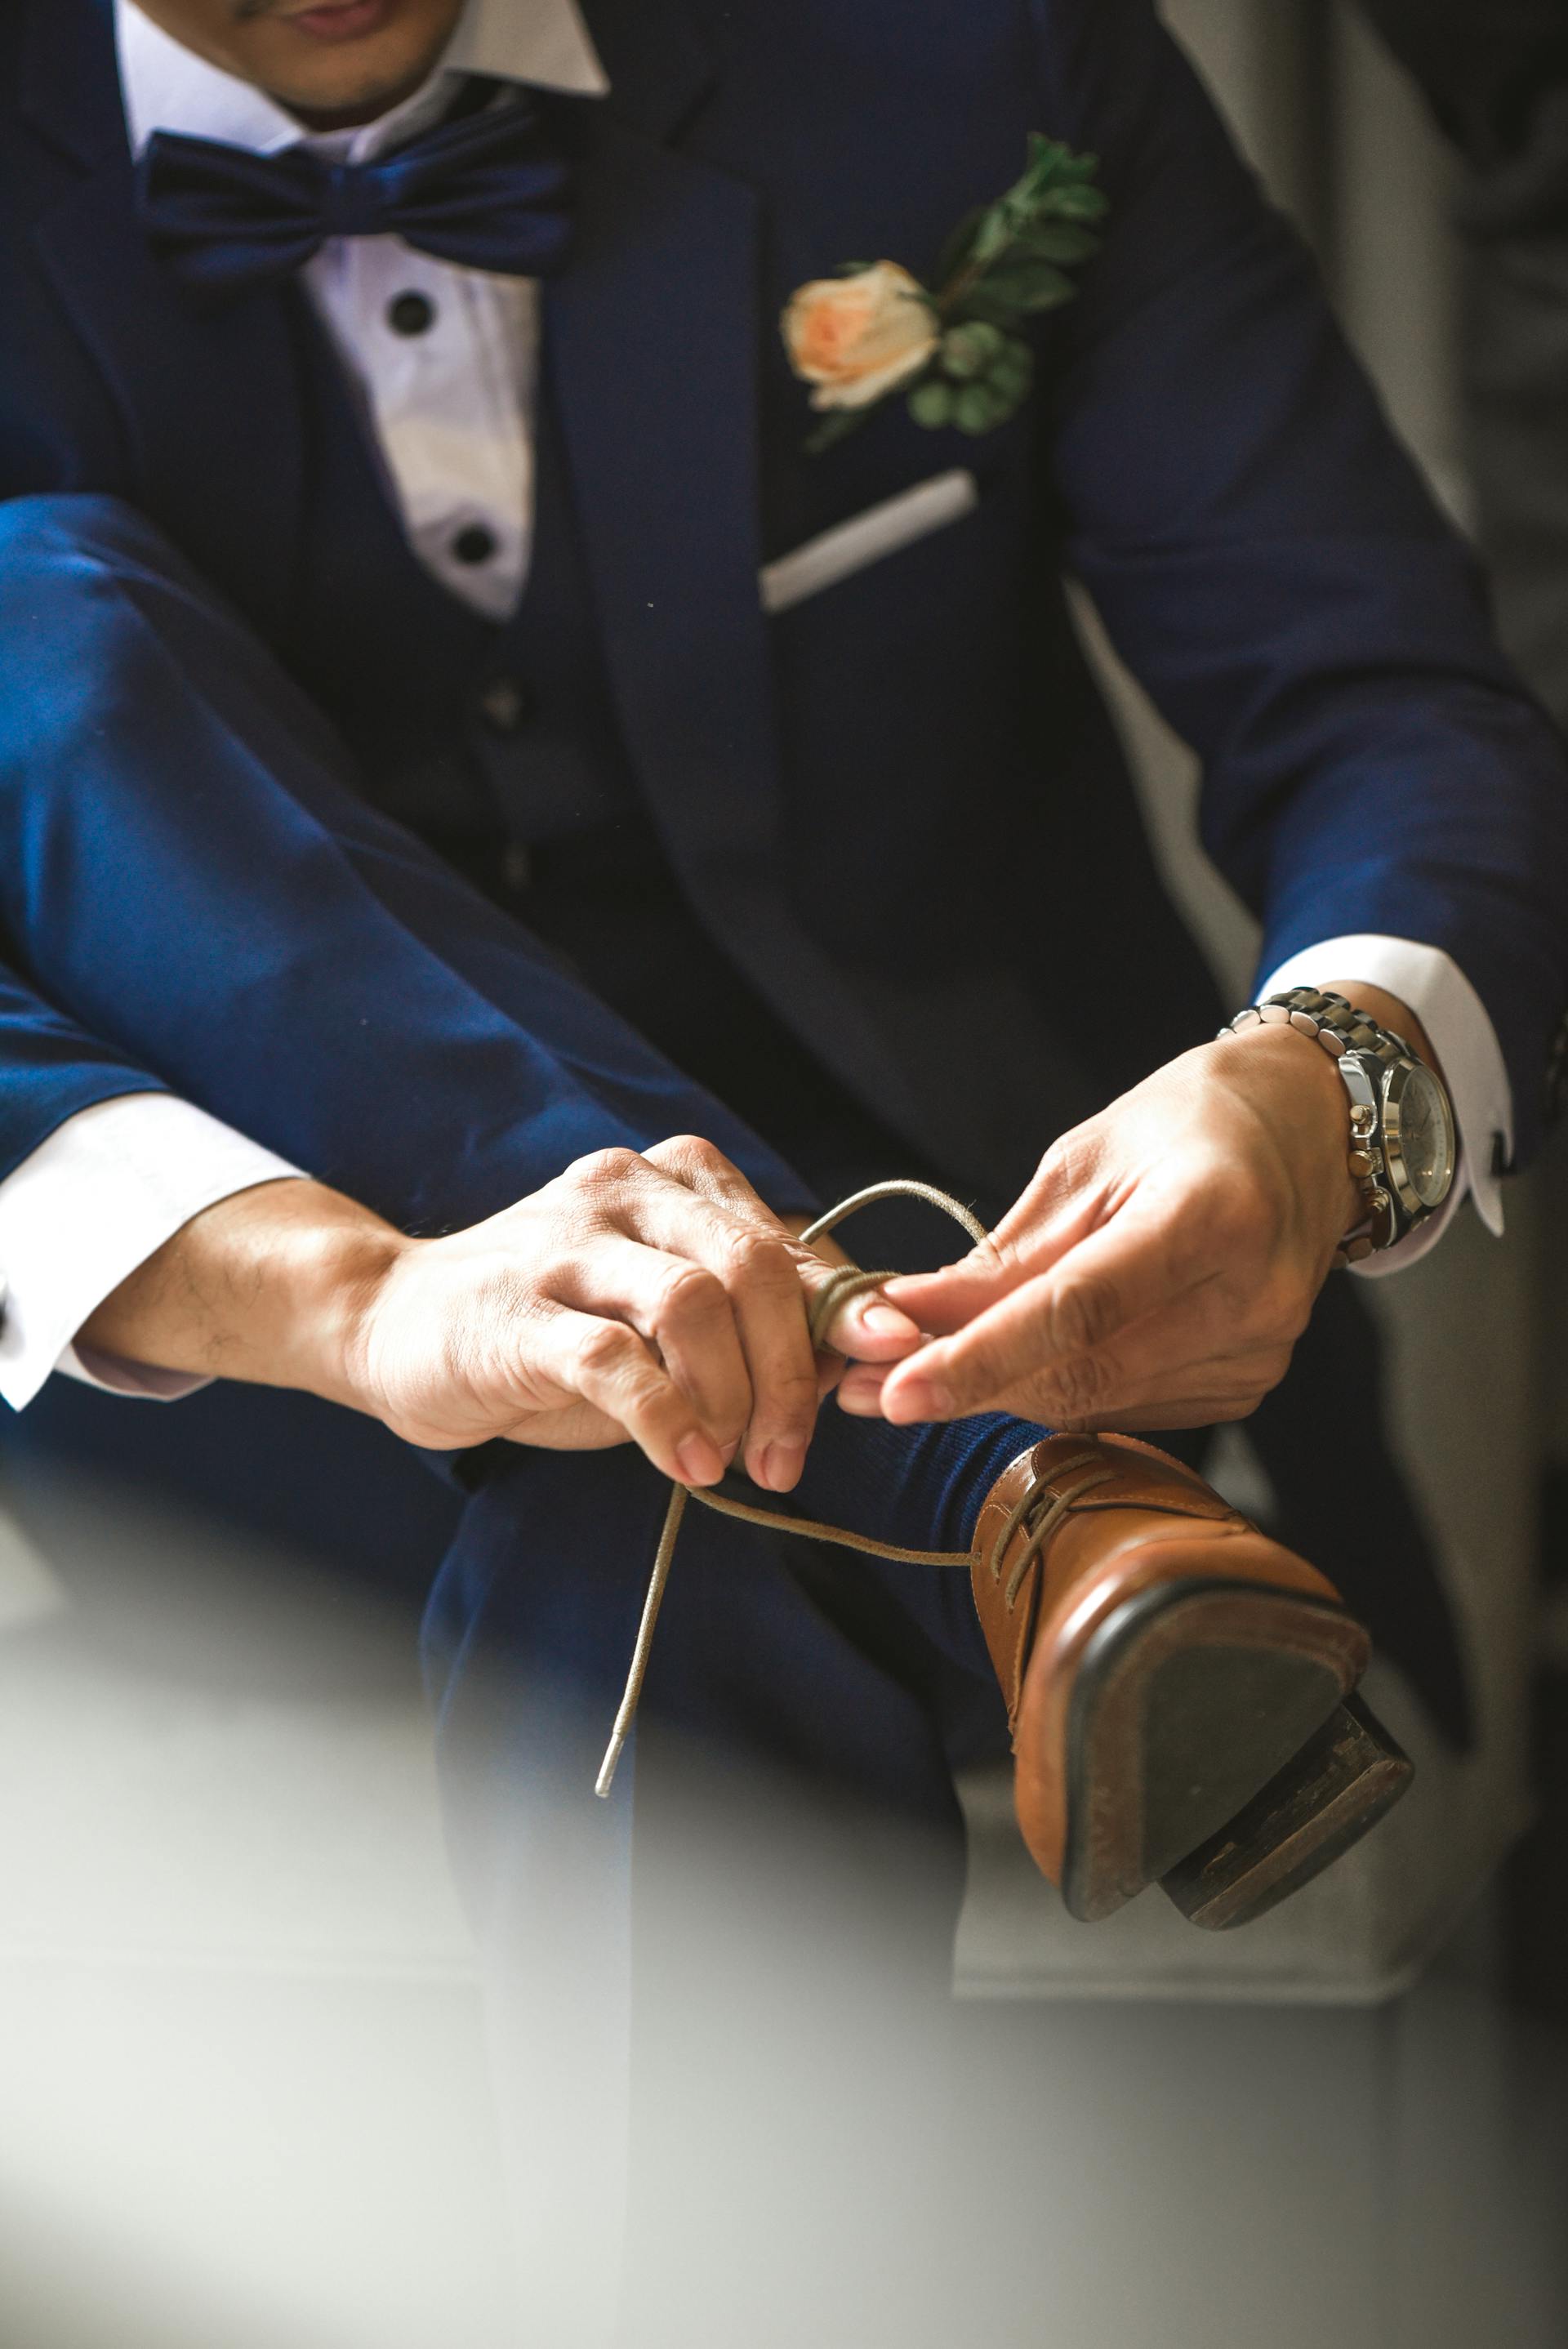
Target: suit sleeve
{"type": "Point", "coordinates": [1272, 570]}
{"type": "Point", "coordinates": [50, 1068]}
{"type": "Point", "coordinates": [66, 1243]}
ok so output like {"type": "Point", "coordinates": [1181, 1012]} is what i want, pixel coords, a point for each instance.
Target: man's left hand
{"type": "Point", "coordinates": [1159, 1268]}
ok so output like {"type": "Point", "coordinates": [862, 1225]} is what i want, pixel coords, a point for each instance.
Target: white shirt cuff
{"type": "Point", "coordinates": [1463, 1039]}
{"type": "Point", "coordinates": [84, 1209]}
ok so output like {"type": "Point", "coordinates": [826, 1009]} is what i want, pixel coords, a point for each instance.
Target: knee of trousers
{"type": "Point", "coordinates": [65, 561]}
{"type": "Point", "coordinates": [73, 564]}
{"type": "Point", "coordinates": [42, 535]}
{"type": "Point", "coordinates": [86, 581]}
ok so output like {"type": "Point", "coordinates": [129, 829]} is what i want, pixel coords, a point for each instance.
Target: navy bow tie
{"type": "Point", "coordinates": [486, 190]}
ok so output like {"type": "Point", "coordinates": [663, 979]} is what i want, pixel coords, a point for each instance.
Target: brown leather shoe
{"type": "Point", "coordinates": [1175, 1685]}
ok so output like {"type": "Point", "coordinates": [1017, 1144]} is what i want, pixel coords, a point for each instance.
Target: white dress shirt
{"type": "Point", "coordinates": [444, 359]}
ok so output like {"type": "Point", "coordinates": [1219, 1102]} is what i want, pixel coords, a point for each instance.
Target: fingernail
{"type": "Point", "coordinates": [917, 1399]}
{"type": "Point", "coordinates": [859, 1405]}
{"type": "Point", "coordinates": [887, 1321]}
{"type": "Point", "coordinates": [698, 1462]}
{"type": "Point", "coordinates": [779, 1469]}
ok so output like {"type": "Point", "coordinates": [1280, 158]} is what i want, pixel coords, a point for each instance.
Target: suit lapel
{"type": "Point", "coordinates": [210, 401]}
{"type": "Point", "coordinates": [652, 336]}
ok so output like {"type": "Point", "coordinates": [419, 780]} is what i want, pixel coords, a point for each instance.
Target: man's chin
{"type": "Point", "coordinates": [343, 102]}
{"type": "Point", "coordinates": [340, 62]}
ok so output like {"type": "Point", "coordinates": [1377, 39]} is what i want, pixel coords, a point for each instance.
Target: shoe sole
{"type": "Point", "coordinates": [1335, 1791]}
{"type": "Point", "coordinates": [1189, 1702]}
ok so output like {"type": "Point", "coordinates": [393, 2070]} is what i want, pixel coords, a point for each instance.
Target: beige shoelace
{"type": "Point", "coordinates": [846, 1283]}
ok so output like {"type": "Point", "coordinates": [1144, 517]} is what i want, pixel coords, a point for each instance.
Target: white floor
{"type": "Point", "coordinates": [242, 2091]}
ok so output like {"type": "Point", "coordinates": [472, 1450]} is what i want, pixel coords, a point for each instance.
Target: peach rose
{"type": "Point", "coordinates": [857, 338]}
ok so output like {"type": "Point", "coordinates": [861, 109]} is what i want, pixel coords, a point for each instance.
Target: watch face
{"type": "Point", "coordinates": [1426, 1137]}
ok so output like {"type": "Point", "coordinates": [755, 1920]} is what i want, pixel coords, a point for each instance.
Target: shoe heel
{"type": "Point", "coordinates": [1339, 1786]}
{"type": "Point", "coordinates": [1188, 1699]}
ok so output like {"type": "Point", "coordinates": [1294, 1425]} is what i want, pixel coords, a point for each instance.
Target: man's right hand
{"type": "Point", "coordinates": [650, 1296]}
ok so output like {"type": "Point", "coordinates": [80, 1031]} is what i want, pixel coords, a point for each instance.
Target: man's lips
{"type": "Point", "coordinates": [341, 20]}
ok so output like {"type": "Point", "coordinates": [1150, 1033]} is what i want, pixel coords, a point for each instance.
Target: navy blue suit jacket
{"type": "Point", "coordinates": [900, 805]}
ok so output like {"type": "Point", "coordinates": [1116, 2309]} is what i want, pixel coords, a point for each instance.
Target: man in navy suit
{"type": "Point", "coordinates": [869, 868]}
{"type": "Point", "coordinates": [424, 795]}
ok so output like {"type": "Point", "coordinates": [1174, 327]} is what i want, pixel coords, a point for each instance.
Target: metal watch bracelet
{"type": "Point", "coordinates": [1348, 1036]}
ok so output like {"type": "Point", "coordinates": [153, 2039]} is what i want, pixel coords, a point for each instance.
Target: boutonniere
{"type": "Point", "coordinates": [953, 349]}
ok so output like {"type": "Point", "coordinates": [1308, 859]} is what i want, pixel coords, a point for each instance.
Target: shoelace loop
{"type": "Point", "coordinates": [844, 1284]}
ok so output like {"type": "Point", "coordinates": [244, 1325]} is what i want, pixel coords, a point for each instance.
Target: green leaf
{"type": "Point", "coordinates": [1048, 160]}
{"type": "Point", "coordinates": [1053, 188]}
{"type": "Point", "coordinates": [978, 408]}
{"type": "Point", "coordinates": [1012, 370]}
{"type": "Point", "coordinates": [932, 402]}
{"type": "Point", "coordinates": [1051, 167]}
{"type": "Point", "coordinates": [852, 268]}
{"type": "Point", "coordinates": [968, 350]}
{"type": "Point", "coordinates": [1060, 164]}
{"type": "Point", "coordinates": [993, 235]}
{"type": "Point", "coordinates": [1077, 203]}
{"type": "Point", "coordinates": [1030, 286]}
{"type": "Point", "coordinates": [1059, 240]}
{"type": "Point", "coordinates": [994, 310]}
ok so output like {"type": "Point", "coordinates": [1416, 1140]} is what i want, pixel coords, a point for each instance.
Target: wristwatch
{"type": "Point", "coordinates": [1404, 1151]}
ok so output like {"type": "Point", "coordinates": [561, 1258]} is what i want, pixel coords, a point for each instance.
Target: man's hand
{"type": "Point", "coordinates": [1161, 1265]}
{"type": "Point", "coordinates": [654, 1296]}
{"type": "Point", "coordinates": [650, 1297]}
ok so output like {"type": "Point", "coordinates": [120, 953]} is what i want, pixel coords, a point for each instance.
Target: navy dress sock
{"type": "Point", "coordinates": [919, 1487]}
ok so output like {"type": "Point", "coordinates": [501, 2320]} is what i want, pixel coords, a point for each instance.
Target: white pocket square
{"type": "Point", "coordinates": [867, 538]}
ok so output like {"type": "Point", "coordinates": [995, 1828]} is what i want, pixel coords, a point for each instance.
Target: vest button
{"type": "Point", "coordinates": [474, 544]}
{"type": "Point", "coordinates": [504, 705]}
{"type": "Point", "coordinates": [410, 314]}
